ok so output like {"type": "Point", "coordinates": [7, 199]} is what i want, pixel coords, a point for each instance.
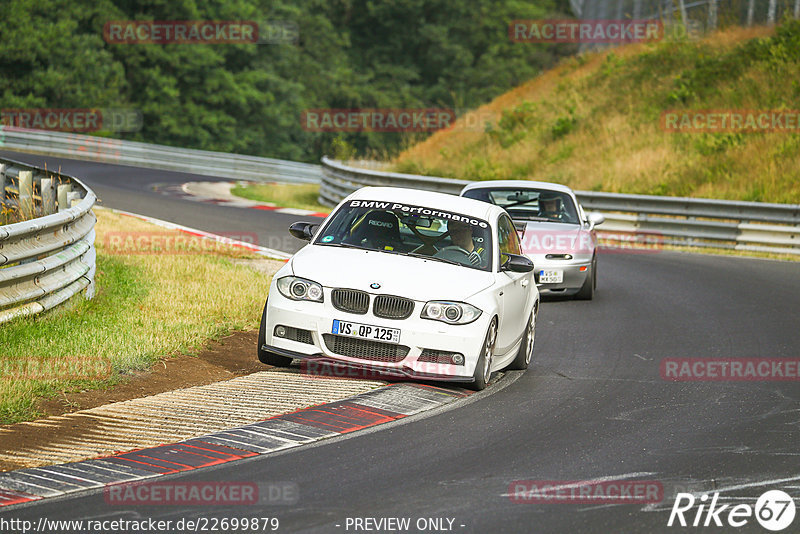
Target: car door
{"type": "Point", "coordinates": [514, 292]}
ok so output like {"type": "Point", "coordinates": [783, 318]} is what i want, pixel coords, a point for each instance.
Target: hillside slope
{"type": "Point", "coordinates": [595, 122]}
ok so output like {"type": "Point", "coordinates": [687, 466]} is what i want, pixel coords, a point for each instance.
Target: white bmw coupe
{"type": "Point", "coordinates": [411, 283]}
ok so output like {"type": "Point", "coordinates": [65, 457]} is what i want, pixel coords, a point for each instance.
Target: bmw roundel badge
{"type": "Point", "coordinates": [375, 285]}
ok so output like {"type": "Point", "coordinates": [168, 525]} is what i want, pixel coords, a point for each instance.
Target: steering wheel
{"type": "Point", "coordinates": [470, 258]}
{"type": "Point", "coordinates": [455, 248]}
{"type": "Point", "coordinates": [428, 242]}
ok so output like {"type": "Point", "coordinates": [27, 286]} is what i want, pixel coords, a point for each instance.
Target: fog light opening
{"type": "Point", "coordinates": [458, 359]}
{"type": "Point", "coordinates": [280, 331]}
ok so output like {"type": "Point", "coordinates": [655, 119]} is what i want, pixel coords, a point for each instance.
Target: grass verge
{"type": "Point", "coordinates": [147, 306]}
{"type": "Point", "coordinates": [300, 196]}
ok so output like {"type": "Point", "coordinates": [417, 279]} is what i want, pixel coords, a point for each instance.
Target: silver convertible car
{"type": "Point", "coordinates": [557, 234]}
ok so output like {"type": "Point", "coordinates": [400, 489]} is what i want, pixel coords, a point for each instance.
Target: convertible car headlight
{"type": "Point", "coordinates": [296, 288]}
{"type": "Point", "coordinates": [450, 312]}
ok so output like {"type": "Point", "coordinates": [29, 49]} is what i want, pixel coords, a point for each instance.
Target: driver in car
{"type": "Point", "coordinates": [463, 248]}
{"type": "Point", "coordinates": [550, 207]}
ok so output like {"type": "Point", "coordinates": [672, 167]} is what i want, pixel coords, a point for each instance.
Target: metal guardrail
{"type": "Point", "coordinates": [116, 151]}
{"type": "Point", "coordinates": [45, 260]}
{"type": "Point", "coordinates": [643, 219]}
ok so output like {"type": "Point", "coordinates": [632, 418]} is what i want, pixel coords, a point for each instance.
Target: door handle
{"type": "Point", "coordinates": [525, 283]}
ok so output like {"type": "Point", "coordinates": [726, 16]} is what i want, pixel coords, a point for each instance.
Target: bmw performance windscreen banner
{"type": "Point", "coordinates": [417, 210]}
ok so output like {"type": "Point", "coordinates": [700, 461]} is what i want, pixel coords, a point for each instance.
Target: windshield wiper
{"type": "Point", "coordinates": [532, 218]}
{"type": "Point", "coordinates": [344, 245]}
{"type": "Point", "coordinates": [426, 257]}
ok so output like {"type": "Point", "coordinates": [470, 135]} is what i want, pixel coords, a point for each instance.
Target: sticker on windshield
{"type": "Point", "coordinates": [415, 210]}
{"type": "Point", "coordinates": [327, 239]}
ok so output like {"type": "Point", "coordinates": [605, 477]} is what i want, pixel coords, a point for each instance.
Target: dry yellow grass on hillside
{"type": "Point", "coordinates": [594, 122]}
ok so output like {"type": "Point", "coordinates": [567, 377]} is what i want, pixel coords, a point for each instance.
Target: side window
{"type": "Point", "coordinates": [507, 237]}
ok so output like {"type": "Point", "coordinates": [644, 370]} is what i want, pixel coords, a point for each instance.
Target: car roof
{"type": "Point", "coordinates": [531, 184]}
{"type": "Point", "coordinates": [417, 197]}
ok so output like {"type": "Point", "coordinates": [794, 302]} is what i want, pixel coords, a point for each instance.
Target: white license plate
{"type": "Point", "coordinates": [553, 276]}
{"type": "Point", "coordinates": [365, 331]}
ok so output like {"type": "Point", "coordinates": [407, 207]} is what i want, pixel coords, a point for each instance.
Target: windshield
{"type": "Point", "coordinates": [410, 230]}
{"type": "Point", "coordinates": [528, 204]}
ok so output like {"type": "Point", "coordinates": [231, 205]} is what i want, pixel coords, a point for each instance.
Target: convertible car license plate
{"type": "Point", "coordinates": [365, 331]}
{"type": "Point", "coordinates": [553, 276]}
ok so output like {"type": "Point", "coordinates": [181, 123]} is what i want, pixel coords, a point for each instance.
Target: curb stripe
{"type": "Point", "coordinates": [278, 209]}
{"type": "Point", "coordinates": [375, 407]}
{"type": "Point", "coordinates": [180, 191]}
{"type": "Point", "coordinates": [185, 459]}
{"type": "Point", "coordinates": [7, 497]}
{"type": "Point", "coordinates": [138, 464]}
{"type": "Point", "coordinates": [211, 447]}
{"type": "Point", "coordinates": [130, 471]}
{"type": "Point", "coordinates": [344, 416]}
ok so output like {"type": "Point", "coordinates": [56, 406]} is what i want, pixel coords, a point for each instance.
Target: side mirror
{"type": "Point", "coordinates": [516, 263]}
{"type": "Point", "coordinates": [302, 230]}
{"type": "Point", "coordinates": [596, 218]}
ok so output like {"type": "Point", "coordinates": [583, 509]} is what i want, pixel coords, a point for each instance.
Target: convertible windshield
{"type": "Point", "coordinates": [530, 204]}
{"type": "Point", "coordinates": [417, 231]}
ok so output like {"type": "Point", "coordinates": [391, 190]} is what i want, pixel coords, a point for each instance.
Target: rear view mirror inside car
{"type": "Point", "coordinates": [521, 196]}
{"type": "Point", "coordinates": [418, 222]}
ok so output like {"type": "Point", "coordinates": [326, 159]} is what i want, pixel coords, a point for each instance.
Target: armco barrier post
{"type": "Point", "coordinates": [26, 205]}
{"type": "Point", "coordinates": [2, 184]}
{"type": "Point", "coordinates": [73, 197]}
{"type": "Point", "coordinates": [63, 191]}
{"type": "Point", "coordinates": [48, 197]}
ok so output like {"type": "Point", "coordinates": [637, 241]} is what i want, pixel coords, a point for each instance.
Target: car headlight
{"type": "Point", "coordinates": [450, 312]}
{"type": "Point", "coordinates": [296, 288]}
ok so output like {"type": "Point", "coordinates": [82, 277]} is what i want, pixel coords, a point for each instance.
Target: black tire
{"type": "Point", "coordinates": [483, 372]}
{"type": "Point", "coordinates": [525, 353]}
{"type": "Point", "coordinates": [264, 356]}
{"type": "Point", "coordinates": [589, 285]}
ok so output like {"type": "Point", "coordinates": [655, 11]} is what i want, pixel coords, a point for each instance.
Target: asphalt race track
{"type": "Point", "coordinates": [593, 406]}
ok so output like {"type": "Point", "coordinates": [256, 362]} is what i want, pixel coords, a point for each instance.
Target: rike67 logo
{"type": "Point", "coordinates": [774, 510]}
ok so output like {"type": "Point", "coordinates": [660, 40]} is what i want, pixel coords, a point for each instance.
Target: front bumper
{"type": "Point", "coordinates": [322, 366]}
{"type": "Point", "coordinates": [573, 278]}
{"type": "Point", "coordinates": [415, 333]}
